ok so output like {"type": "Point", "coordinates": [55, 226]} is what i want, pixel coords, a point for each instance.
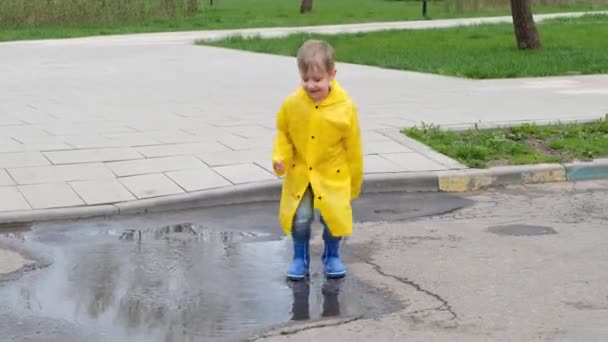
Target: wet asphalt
{"type": "Point", "coordinates": [214, 274]}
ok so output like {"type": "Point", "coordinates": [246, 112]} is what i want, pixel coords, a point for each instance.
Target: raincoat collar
{"type": "Point", "coordinates": [336, 95]}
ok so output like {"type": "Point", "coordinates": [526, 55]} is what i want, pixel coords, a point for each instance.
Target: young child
{"type": "Point", "coordinates": [317, 148]}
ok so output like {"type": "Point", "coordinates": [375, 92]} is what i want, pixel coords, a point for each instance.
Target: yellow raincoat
{"type": "Point", "coordinates": [320, 145]}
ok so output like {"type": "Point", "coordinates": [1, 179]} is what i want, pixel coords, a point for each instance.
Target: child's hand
{"type": "Point", "coordinates": [279, 167]}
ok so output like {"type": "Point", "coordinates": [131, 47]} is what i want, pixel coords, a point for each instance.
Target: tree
{"type": "Point", "coordinates": [523, 23]}
{"type": "Point", "coordinates": [305, 6]}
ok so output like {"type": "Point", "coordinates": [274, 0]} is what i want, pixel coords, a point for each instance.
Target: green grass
{"type": "Point", "coordinates": [570, 46]}
{"type": "Point", "coordinates": [37, 19]}
{"type": "Point", "coordinates": [526, 144]}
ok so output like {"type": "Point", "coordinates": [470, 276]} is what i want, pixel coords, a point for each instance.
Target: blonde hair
{"type": "Point", "coordinates": [316, 54]}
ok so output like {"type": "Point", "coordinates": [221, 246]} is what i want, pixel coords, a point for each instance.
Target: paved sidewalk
{"type": "Point", "coordinates": [93, 121]}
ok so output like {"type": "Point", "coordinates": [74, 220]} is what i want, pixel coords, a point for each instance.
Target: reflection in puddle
{"type": "Point", "coordinates": [176, 283]}
{"type": "Point", "coordinates": [15, 231]}
{"type": "Point", "coordinates": [301, 293]}
{"type": "Point", "coordinates": [188, 231]}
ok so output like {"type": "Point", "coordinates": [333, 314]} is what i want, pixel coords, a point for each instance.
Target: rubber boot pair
{"type": "Point", "coordinates": [299, 268]}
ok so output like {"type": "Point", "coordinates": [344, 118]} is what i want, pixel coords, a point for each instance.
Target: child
{"type": "Point", "coordinates": [317, 148]}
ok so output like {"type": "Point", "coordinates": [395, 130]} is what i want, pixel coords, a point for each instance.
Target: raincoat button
{"type": "Point", "coordinates": [312, 137]}
{"type": "Point", "coordinates": [294, 165]}
{"type": "Point", "coordinates": [317, 107]}
{"type": "Point", "coordinates": [338, 171]}
{"type": "Point", "coordinates": [310, 168]}
{"type": "Point", "coordinates": [319, 197]}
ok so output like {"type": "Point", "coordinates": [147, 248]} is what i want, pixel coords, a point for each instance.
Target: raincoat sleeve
{"type": "Point", "coordinates": [282, 147]}
{"type": "Point", "coordinates": [354, 153]}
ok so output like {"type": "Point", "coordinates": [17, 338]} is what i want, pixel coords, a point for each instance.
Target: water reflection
{"type": "Point", "coordinates": [331, 303]}
{"type": "Point", "coordinates": [15, 231]}
{"type": "Point", "coordinates": [175, 283]}
{"type": "Point", "coordinates": [330, 289]}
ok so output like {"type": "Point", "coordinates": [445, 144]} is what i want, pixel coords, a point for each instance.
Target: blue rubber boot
{"type": "Point", "coordinates": [298, 269]}
{"type": "Point", "coordinates": [334, 268]}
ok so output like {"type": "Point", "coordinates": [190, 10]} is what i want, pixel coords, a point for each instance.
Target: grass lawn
{"type": "Point", "coordinates": [74, 18]}
{"type": "Point", "coordinates": [571, 46]}
{"type": "Point", "coordinates": [527, 144]}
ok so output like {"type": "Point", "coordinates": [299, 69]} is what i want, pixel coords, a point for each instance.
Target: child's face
{"type": "Point", "coordinates": [316, 82]}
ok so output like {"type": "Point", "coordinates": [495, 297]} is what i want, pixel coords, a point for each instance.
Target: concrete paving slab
{"type": "Point", "coordinates": [198, 179]}
{"type": "Point", "coordinates": [5, 179]}
{"type": "Point", "coordinates": [239, 143]}
{"type": "Point", "coordinates": [50, 195]}
{"type": "Point", "coordinates": [235, 157]}
{"type": "Point", "coordinates": [386, 146]}
{"type": "Point", "coordinates": [60, 173]}
{"type": "Point", "coordinates": [155, 165]}
{"type": "Point", "coordinates": [376, 164]}
{"type": "Point", "coordinates": [104, 191]}
{"type": "Point", "coordinates": [92, 155]}
{"type": "Point", "coordinates": [22, 159]}
{"type": "Point", "coordinates": [147, 186]}
{"type": "Point", "coordinates": [160, 136]}
{"type": "Point", "coordinates": [182, 149]}
{"type": "Point", "coordinates": [244, 173]}
{"type": "Point", "coordinates": [11, 199]}
{"type": "Point", "coordinates": [413, 161]}
{"type": "Point", "coordinates": [90, 142]}
{"type": "Point", "coordinates": [32, 147]}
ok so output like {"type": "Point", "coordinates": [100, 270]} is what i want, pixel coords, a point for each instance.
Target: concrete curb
{"type": "Point", "coordinates": [476, 179]}
{"type": "Point", "coordinates": [435, 181]}
{"type": "Point", "coordinates": [597, 169]}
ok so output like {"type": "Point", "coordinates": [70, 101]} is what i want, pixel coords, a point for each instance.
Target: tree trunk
{"type": "Point", "coordinates": [523, 23]}
{"type": "Point", "coordinates": [305, 6]}
{"type": "Point", "coordinates": [192, 7]}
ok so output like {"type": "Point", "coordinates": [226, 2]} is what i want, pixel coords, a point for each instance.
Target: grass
{"type": "Point", "coordinates": [39, 19]}
{"type": "Point", "coordinates": [526, 144]}
{"type": "Point", "coordinates": [571, 46]}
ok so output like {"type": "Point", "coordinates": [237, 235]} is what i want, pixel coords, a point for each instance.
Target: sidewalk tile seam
{"type": "Point", "coordinates": [263, 168]}
{"type": "Point", "coordinates": [223, 177]}
{"type": "Point", "coordinates": [22, 196]}
{"type": "Point", "coordinates": [164, 173]}
{"type": "Point", "coordinates": [77, 194]}
{"type": "Point", "coordinates": [10, 176]}
{"type": "Point", "coordinates": [127, 188]}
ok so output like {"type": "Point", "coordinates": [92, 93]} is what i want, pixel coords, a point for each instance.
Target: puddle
{"type": "Point", "coordinates": [521, 230]}
{"type": "Point", "coordinates": [177, 282]}
{"type": "Point", "coordinates": [213, 274]}
{"type": "Point", "coordinates": [17, 231]}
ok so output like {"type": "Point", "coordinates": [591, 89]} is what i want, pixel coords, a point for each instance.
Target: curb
{"type": "Point", "coordinates": [477, 179]}
{"type": "Point", "coordinates": [597, 169]}
{"type": "Point", "coordinates": [435, 181]}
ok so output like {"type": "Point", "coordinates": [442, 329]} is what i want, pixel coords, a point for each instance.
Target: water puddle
{"type": "Point", "coordinates": [176, 282]}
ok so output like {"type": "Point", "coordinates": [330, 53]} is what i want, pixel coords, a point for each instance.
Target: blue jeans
{"type": "Point", "coordinates": [303, 218]}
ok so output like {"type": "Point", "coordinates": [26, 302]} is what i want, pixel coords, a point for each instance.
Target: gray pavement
{"type": "Point", "coordinates": [523, 263]}
{"type": "Point", "coordinates": [211, 274]}
{"type": "Point", "coordinates": [106, 120]}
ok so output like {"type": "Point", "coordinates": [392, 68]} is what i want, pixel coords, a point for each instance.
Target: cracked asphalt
{"type": "Point", "coordinates": [541, 277]}
{"type": "Point", "coordinates": [520, 263]}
